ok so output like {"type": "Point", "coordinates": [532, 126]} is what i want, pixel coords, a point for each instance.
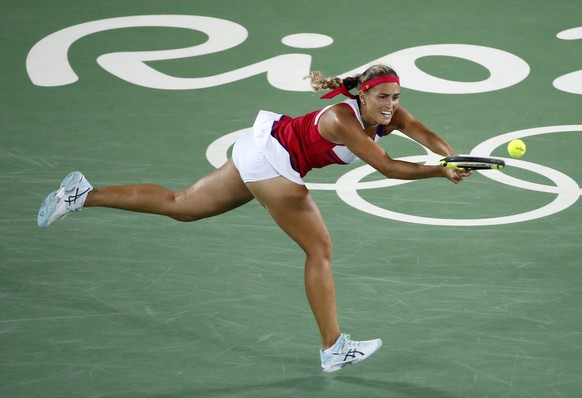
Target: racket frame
{"type": "Point", "coordinates": [472, 163]}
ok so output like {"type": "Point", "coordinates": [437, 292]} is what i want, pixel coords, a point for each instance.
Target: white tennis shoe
{"type": "Point", "coordinates": [69, 198]}
{"type": "Point", "coordinates": [346, 351]}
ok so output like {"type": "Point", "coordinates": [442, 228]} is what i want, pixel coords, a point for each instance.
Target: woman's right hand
{"type": "Point", "coordinates": [456, 176]}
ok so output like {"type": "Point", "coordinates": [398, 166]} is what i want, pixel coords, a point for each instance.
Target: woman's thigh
{"type": "Point", "coordinates": [218, 192]}
{"type": "Point", "coordinates": [295, 211]}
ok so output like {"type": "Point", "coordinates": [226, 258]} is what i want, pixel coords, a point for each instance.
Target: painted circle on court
{"type": "Point", "coordinates": [566, 188]}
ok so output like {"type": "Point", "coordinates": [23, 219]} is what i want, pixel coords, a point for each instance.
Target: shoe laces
{"type": "Point", "coordinates": [348, 343]}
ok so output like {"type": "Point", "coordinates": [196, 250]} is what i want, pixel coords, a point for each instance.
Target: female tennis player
{"type": "Point", "coordinates": [269, 163]}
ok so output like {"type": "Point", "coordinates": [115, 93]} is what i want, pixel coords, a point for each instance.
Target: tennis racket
{"type": "Point", "coordinates": [472, 163]}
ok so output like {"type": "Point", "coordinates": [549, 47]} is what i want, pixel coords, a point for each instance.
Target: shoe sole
{"type": "Point", "coordinates": [46, 209]}
{"type": "Point", "coordinates": [336, 367]}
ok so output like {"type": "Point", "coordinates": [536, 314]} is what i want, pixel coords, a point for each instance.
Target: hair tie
{"type": "Point", "coordinates": [341, 90]}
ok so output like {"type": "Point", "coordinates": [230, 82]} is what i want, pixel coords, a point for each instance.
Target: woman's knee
{"type": "Point", "coordinates": [322, 251]}
{"type": "Point", "coordinates": [178, 208]}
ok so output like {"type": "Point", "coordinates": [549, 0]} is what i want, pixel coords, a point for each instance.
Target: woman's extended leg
{"type": "Point", "coordinates": [220, 191]}
{"type": "Point", "coordinates": [294, 210]}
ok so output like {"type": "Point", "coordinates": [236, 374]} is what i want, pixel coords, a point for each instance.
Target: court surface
{"type": "Point", "coordinates": [474, 288]}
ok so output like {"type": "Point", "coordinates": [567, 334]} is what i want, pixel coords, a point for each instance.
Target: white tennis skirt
{"type": "Point", "coordinates": [259, 156]}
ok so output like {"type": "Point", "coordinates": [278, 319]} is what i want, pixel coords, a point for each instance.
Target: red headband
{"type": "Point", "coordinates": [379, 80]}
{"type": "Point", "coordinates": [364, 87]}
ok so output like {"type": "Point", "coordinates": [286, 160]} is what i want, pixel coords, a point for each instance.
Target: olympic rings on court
{"type": "Point", "coordinates": [567, 190]}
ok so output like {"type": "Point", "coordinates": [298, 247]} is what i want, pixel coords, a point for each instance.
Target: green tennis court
{"type": "Point", "coordinates": [474, 288]}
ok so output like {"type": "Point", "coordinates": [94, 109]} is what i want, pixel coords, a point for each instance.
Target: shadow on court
{"type": "Point", "coordinates": [394, 388]}
{"type": "Point", "coordinates": [321, 385]}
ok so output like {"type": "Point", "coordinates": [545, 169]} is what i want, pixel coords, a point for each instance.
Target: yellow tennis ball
{"type": "Point", "coordinates": [516, 148]}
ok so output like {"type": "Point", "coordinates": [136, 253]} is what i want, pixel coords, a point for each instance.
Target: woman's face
{"type": "Point", "coordinates": [380, 103]}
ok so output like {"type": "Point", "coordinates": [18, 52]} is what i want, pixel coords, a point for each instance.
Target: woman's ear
{"type": "Point", "coordinates": [362, 97]}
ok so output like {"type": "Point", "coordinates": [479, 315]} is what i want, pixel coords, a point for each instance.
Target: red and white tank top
{"type": "Point", "coordinates": [306, 147]}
